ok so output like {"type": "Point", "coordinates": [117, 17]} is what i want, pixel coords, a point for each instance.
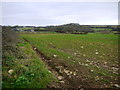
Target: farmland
{"type": "Point", "coordinates": [55, 45]}
{"type": "Point", "coordinates": [89, 61]}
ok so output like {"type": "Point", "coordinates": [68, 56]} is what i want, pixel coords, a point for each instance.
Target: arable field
{"type": "Point", "coordinates": [88, 61]}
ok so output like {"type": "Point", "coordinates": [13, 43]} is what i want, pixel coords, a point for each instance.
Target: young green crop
{"type": "Point", "coordinates": [95, 53]}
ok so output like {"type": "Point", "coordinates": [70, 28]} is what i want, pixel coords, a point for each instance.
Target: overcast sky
{"type": "Point", "coordinates": [57, 13]}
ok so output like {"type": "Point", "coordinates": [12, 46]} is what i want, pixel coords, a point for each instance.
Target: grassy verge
{"type": "Point", "coordinates": [27, 71]}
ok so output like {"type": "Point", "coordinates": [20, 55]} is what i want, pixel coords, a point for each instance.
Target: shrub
{"type": "Point", "coordinates": [9, 40]}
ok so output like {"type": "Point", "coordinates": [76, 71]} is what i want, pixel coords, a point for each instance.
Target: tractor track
{"type": "Point", "coordinates": [66, 81]}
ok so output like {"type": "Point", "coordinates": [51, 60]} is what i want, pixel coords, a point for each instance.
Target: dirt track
{"type": "Point", "coordinates": [62, 72]}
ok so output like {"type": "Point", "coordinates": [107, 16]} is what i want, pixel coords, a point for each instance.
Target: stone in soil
{"type": "Point", "coordinates": [60, 77]}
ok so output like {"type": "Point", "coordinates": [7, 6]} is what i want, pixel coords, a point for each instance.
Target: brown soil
{"type": "Point", "coordinates": [67, 81]}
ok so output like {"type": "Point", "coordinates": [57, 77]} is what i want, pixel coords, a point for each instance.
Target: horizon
{"type": "Point", "coordinates": [52, 25]}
